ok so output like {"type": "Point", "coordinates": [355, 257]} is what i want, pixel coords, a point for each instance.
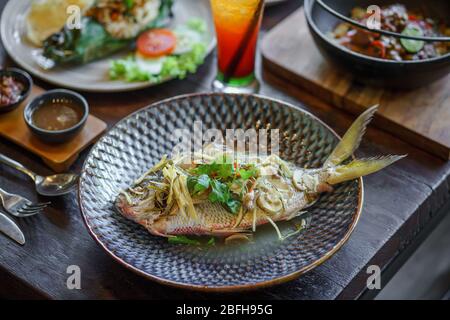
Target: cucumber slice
{"type": "Point", "coordinates": [412, 46]}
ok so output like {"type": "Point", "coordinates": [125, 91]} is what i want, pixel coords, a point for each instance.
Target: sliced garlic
{"type": "Point", "coordinates": [297, 179]}
{"type": "Point", "coordinates": [270, 202]}
{"type": "Point", "coordinates": [268, 170]}
{"type": "Point", "coordinates": [280, 184]}
{"type": "Point", "coordinates": [305, 182]}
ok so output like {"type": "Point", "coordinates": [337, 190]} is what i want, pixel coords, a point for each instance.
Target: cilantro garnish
{"type": "Point", "coordinates": [191, 242]}
{"type": "Point", "coordinates": [217, 170]}
{"type": "Point", "coordinates": [129, 3]}
{"type": "Point", "coordinates": [233, 205]}
{"type": "Point", "coordinates": [198, 184]}
{"type": "Point", "coordinates": [217, 178]}
{"type": "Point", "coordinates": [211, 242]}
{"type": "Point", "coordinates": [183, 240]}
{"type": "Point", "coordinates": [219, 192]}
{"type": "Point", "coordinates": [246, 174]}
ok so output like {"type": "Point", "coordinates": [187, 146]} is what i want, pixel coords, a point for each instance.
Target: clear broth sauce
{"type": "Point", "coordinates": [57, 114]}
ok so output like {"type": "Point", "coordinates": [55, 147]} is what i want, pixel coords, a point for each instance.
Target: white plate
{"type": "Point", "coordinates": [92, 76]}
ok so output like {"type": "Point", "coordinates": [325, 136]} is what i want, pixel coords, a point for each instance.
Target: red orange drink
{"type": "Point", "coordinates": [237, 25]}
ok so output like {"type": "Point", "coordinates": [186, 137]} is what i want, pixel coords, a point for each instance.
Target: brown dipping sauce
{"type": "Point", "coordinates": [57, 114]}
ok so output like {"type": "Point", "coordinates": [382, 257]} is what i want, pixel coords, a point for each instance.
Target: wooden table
{"type": "Point", "coordinates": [402, 205]}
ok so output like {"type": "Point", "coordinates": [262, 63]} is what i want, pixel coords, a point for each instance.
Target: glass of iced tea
{"type": "Point", "coordinates": [237, 25]}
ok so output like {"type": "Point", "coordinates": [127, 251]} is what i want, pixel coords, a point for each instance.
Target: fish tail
{"type": "Point", "coordinates": [360, 167]}
{"type": "Point", "coordinates": [352, 138]}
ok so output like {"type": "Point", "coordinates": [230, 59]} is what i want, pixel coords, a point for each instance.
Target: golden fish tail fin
{"type": "Point", "coordinates": [352, 138]}
{"type": "Point", "coordinates": [360, 167]}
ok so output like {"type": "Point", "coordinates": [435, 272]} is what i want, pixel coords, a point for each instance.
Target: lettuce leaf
{"type": "Point", "coordinates": [174, 66]}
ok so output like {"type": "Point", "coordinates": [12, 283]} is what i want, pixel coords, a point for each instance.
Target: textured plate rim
{"type": "Point", "coordinates": [228, 288]}
{"type": "Point", "coordinates": [127, 87]}
{"type": "Point", "coordinates": [273, 2]}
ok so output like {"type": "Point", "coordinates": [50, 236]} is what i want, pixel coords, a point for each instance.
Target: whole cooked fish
{"type": "Point", "coordinates": [212, 195]}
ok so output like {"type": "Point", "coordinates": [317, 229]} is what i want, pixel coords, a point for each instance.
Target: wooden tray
{"type": "Point", "coordinates": [420, 117]}
{"type": "Point", "coordinates": [58, 157]}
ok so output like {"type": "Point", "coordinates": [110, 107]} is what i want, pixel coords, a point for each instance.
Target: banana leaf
{"type": "Point", "coordinates": [92, 41]}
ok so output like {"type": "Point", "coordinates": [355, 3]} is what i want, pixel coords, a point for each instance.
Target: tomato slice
{"type": "Point", "coordinates": [156, 43]}
{"type": "Point", "coordinates": [382, 48]}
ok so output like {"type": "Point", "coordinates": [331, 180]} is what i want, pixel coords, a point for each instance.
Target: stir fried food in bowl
{"type": "Point", "coordinates": [395, 18]}
{"type": "Point", "coordinates": [377, 60]}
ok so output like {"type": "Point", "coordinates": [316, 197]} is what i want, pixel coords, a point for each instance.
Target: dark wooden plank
{"type": "Point", "coordinates": [399, 201]}
{"type": "Point", "coordinates": [58, 157]}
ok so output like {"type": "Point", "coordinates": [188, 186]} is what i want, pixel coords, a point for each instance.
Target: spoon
{"type": "Point", "coordinates": [50, 186]}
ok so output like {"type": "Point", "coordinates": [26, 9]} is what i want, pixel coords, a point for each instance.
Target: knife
{"type": "Point", "coordinates": [11, 229]}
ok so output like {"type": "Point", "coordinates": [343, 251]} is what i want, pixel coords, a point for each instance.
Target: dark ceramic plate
{"type": "Point", "coordinates": [140, 140]}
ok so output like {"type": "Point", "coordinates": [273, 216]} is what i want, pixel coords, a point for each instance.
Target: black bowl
{"type": "Point", "coordinates": [58, 136]}
{"type": "Point", "coordinates": [370, 70]}
{"type": "Point", "coordinates": [25, 79]}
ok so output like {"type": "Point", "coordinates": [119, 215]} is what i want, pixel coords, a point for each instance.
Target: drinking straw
{"type": "Point", "coordinates": [242, 46]}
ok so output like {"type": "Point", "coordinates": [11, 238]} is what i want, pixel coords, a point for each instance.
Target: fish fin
{"type": "Point", "coordinates": [352, 138]}
{"type": "Point", "coordinates": [360, 167]}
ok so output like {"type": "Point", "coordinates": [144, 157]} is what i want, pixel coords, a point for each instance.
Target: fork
{"type": "Point", "coordinates": [19, 206]}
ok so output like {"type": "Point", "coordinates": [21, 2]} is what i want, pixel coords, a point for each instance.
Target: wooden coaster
{"type": "Point", "coordinates": [59, 157]}
{"type": "Point", "coordinates": [421, 116]}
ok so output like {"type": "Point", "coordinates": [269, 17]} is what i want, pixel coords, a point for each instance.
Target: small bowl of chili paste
{"type": "Point", "coordinates": [15, 86]}
{"type": "Point", "coordinates": [57, 115]}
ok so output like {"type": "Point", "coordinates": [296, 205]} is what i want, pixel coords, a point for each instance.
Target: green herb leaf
{"type": "Point", "coordinates": [219, 192]}
{"type": "Point", "coordinates": [197, 184]}
{"type": "Point", "coordinates": [211, 242]}
{"type": "Point", "coordinates": [202, 169]}
{"type": "Point", "coordinates": [412, 46]}
{"type": "Point", "coordinates": [129, 3]}
{"type": "Point", "coordinates": [248, 173]}
{"type": "Point", "coordinates": [233, 205]}
{"type": "Point", "coordinates": [225, 170]}
{"type": "Point", "coordinates": [220, 177]}
{"type": "Point", "coordinates": [183, 240]}
{"type": "Point", "coordinates": [216, 170]}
